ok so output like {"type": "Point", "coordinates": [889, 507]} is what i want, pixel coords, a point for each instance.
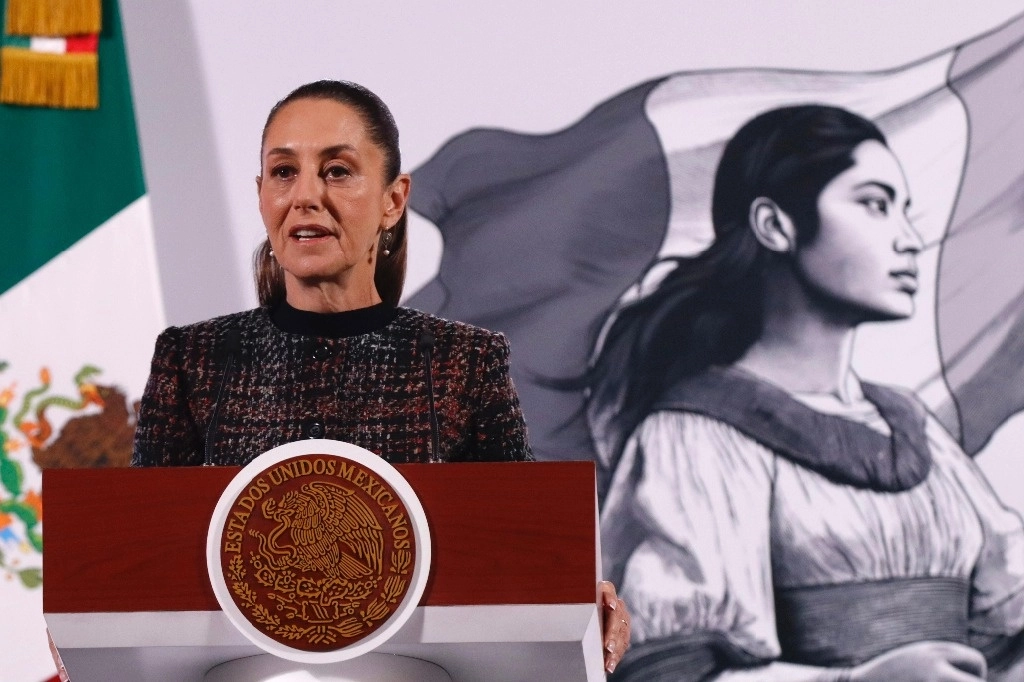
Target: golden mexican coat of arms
{"type": "Point", "coordinates": [317, 552]}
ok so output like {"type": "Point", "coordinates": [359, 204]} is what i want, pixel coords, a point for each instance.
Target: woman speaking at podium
{"type": "Point", "coordinates": [329, 354]}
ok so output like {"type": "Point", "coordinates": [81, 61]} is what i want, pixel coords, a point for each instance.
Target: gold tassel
{"type": "Point", "coordinates": [40, 79]}
{"type": "Point", "coordinates": [53, 17]}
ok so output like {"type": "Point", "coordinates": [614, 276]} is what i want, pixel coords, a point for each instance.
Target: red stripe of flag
{"type": "Point", "coordinates": [83, 43]}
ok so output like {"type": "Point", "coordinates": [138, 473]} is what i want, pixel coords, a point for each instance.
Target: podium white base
{"type": "Point", "coordinates": [371, 667]}
{"type": "Point", "coordinates": [497, 643]}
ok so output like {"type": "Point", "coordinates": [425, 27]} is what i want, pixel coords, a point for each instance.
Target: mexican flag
{"type": "Point", "coordinates": [79, 297]}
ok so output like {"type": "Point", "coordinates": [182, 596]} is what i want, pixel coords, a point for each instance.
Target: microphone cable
{"type": "Point", "coordinates": [233, 346]}
{"type": "Point", "coordinates": [426, 346]}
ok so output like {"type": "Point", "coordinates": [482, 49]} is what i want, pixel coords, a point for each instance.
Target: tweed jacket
{"type": "Point", "coordinates": [358, 376]}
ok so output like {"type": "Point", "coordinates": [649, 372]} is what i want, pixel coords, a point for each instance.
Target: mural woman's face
{"type": "Point", "coordinates": [863, 259]}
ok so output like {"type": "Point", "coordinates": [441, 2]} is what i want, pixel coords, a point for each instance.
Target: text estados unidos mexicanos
{"type": "Point", "coordinates": [286, 471]}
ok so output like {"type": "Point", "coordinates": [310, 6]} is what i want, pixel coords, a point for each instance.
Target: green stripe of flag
{"type": "Point", "coordinates": [67, 172]}
{"type": "Point", "coordinates": [14, 41]}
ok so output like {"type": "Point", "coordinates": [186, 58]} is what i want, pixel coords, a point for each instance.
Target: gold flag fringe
{"type": "Point", "coordinates": [53, 17]}
{"type": "Point", "coordinates": [40, 79]}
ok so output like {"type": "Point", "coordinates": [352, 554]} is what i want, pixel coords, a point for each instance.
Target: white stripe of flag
{"type": "Point", "coordinates": [48, 44]}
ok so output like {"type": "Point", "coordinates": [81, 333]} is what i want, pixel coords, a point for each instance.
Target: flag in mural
{"type": "Point", "coordinates": [545, 234]}
{"type": "Point", "coordinates": [79, 295]}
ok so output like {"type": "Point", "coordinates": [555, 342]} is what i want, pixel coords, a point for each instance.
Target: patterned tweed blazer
{"type": "Point", "coordinates": [358, 376]}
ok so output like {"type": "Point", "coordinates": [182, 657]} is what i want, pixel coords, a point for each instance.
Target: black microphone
{"type": "Point", "coordinates": [232, 347]}
{"type": "Point", "coordinates": [426, 346]}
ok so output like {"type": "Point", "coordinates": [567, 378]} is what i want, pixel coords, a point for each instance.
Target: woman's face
{"type": "Point", "coordinates": [863, 259]}
{"type": "Point", "coordinates": [323, 195]}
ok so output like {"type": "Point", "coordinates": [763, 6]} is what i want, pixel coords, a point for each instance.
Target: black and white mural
{"type": "Point", "coordinates": [784, 312]}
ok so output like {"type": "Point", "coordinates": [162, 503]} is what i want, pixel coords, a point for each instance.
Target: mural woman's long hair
{"type": "Point", "coordinates": [708, 310]}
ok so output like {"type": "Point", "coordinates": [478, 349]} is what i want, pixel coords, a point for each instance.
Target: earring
{"type": "Point", "coordinates": [271, 253]}
{"type": "Point", "coordinates": [385, 241]}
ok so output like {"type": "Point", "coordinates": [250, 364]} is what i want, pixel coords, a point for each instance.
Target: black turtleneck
{"type": "Point", "coordinates": [333, 325]}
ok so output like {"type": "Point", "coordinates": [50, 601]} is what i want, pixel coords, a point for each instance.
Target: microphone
{"type": "Point", "coordinates": [232, 347]}
{"type": "Point", "coordinates": [426, 346]}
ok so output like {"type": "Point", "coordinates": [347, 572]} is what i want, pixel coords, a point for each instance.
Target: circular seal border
{"type": "Point", "coordinates": [363, 457]}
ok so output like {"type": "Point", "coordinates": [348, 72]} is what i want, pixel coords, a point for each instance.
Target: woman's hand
{"type": "Point", "coordinates": [923, 662]}
{"type": "Point", "coordinates": [614, 624]}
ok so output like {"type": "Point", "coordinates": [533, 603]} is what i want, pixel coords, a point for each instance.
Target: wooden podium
{"type": "Point", "coordinates": [511, 595]}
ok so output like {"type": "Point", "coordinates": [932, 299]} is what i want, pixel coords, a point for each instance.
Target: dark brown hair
{"type": "Point", "coordinates": [389, 277]}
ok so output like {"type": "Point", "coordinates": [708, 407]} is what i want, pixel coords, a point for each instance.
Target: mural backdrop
{"type": "Point", "coordinates": [684, 286]}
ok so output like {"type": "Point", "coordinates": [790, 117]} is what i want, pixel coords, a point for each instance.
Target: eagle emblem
{"type": "Point", "coordinates": [315, 562]}
{"type": "Point", "coordinates": [323, 529]}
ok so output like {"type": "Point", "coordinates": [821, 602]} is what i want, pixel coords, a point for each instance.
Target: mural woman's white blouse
{"type": "Point", "coordinates": [725, 524]}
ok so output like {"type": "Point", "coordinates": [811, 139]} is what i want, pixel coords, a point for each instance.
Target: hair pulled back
{"type": "Point", "coordinates": [389, 276]}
